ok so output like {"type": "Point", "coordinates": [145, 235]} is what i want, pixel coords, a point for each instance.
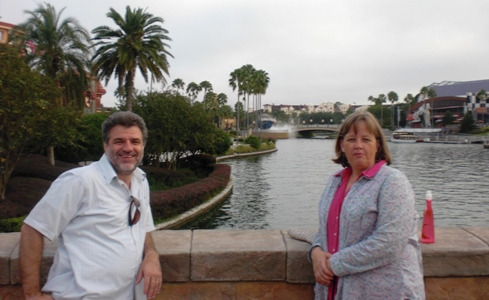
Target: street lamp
{"type": "Point", "coordinates": [311, 120]}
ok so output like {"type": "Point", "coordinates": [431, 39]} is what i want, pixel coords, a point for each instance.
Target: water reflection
{"type": "Point", "coordinates": [281, 190]}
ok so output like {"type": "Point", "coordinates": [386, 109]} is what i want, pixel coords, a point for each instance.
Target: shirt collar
{"type": "Point", "coordinates": [369, 173]}
{"type": "Point", "coordinates": [109, 172]}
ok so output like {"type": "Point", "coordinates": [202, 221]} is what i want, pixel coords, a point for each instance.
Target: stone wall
{"type": "Point", "coordinates": [269, 264]}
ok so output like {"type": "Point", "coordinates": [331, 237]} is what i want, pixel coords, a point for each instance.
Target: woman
{"type": "Point", "coordinates": [367, 243]}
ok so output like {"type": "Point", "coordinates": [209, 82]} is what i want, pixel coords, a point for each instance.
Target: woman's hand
{"type": "Point", "coordinates": [321, 266]}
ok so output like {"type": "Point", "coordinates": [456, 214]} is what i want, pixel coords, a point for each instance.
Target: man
{"type": "Point", "coordinates": [102, 217]}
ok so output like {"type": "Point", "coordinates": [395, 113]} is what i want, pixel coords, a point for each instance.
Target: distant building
{"type": "Point", "coordinates": [4, 31]}
{"type": "Point", "coordinates": [298, 109]}
{"type": "Point", "coordinates": [362, 108]}
{"type": "Point", "coordinates": [459, 88]}
{"type": "Point", "coordinates": [459, 97]}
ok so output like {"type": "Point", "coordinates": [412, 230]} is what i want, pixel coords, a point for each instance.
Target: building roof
{"type": "Point", "coordinates": [459, 88]}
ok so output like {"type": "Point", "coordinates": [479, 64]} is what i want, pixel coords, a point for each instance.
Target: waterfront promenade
{"type": "Point", "coordinates": [269, 264]}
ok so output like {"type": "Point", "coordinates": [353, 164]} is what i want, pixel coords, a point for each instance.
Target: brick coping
{"type": "Point", "coordinates": [266, 255]}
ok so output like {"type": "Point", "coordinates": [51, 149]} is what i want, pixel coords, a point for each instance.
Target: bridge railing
{"type": "Point", "coordinates": [318, 126]}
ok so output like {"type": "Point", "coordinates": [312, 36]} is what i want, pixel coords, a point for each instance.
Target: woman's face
{"type": "Point", "coordinates": [360, 147]}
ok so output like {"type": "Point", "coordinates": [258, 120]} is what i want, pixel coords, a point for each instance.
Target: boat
{"type": "Point", "coordinates": [405, 137]}
{"type": "Point", "coordinates": [413, 135]}
{"type": "Point", "coordinates": [486, 144]}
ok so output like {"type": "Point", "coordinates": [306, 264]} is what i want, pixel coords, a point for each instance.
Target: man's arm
{"type": "Point", "coordinates": [150, 269]}
{"type": "Point", "coordinates": [30, 255]}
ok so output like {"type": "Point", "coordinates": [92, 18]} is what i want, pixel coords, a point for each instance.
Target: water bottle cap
{"type": "Point", "coordinates": [429, 196]}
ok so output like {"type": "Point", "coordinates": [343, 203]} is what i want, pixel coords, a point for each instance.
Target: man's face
{"type": "Point", "coordinates": [124, 149]}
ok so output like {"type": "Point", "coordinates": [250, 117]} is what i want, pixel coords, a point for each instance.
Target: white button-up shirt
{"type": "Point", "coordinates": [98, 253]}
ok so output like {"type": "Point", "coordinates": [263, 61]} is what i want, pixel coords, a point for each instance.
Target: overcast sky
{"type": "Point", "coordinates": [313, 51]}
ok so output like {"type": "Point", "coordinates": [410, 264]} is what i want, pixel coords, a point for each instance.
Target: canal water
{"type": "Point", "coordinates": [281, 190]}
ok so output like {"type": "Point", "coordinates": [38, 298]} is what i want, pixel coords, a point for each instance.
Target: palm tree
{"type": "Point", "coordinates": [61, 53]}
{"type": "Point", "coordinates": [429, 93]}
{"type": "Point", "coordinates": [393, 98]}
{"type": "Point", "coordinates": [210, 103]}
{"type": "Point", "coordinates": [375, 101]}
{"type": "Point", "coordinates": [260, 81]}
{"type": "Point", "coordinates": [206, 86]}
{"type": "Point", "coordinates": [247, 88]}
{"type": "Point", "coordinates": [381, 101]}
{"type": "Point", "coordinates": [193, 89]}
{"type": "Point", "coordinates": [178, 84]}
{"type": "Point", "coordinates": [235, 82]}
{"type": "Point", "coordinates": [61, 50]}
{"type": "Point", "coordinates": [222, 99]}
{"type": "Point", "coordinates": [482, 95]}
{"type": "Point", "coordinates": [138, 43]}
{"type": "Point", "coordinates": [410, 100]}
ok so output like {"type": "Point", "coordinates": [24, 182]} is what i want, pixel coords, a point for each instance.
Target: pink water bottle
{"type": "Point", "coordinates": [428, 232]}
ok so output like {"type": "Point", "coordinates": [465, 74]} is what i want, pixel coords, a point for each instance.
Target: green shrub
{"type": "Point", "coordinates": [253, 141]}
{"type": "Point", "coordinates": [230, 151]}
{"type": "Point", "coordinates": [160, 179]}
{"type": "Point", "coordinates": [11, 225]}
{"type": "Point", "coordinates": [267, 146]}
{"type": "Point", "coordinates": [166, 204]}
{"type": "Point", "coordinates": [243, 149]}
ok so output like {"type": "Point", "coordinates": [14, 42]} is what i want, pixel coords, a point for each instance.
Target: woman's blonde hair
{"type": "Point", "coordinates": [373, 126]}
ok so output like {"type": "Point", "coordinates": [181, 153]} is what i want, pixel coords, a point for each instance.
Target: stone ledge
{"type": "Point", "coordinates": [226, 260]}
{"type": "Point", "coordinates": [457, 252]}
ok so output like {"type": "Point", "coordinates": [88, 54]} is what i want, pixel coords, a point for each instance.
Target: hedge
{"type": "Point", "coordinates": [166, 204]}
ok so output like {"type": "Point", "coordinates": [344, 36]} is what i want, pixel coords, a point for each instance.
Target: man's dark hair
{"type": "Point", "coordinates": [126, 119]}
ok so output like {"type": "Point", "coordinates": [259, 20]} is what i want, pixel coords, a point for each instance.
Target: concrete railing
{"type": "Point", "coordinates": [269, 264]}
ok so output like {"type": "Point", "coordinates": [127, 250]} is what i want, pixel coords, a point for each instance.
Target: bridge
{"type": "Point", "coordinates": [316, 127]}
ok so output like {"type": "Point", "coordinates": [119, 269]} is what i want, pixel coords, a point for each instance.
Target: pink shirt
{"type": "Point", "coordinates": [333, 223]}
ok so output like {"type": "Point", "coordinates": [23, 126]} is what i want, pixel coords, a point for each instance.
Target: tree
{"type": "Point", "coordinates": [222, 99]}
{"type": "Point", "coordinates": [429, 93]}
{"type": "Point", "coordinates": [138, 43]}
{"type": "Point", "coordinates": [378, 111]}
{"type": "Point", "coordinates": [237, 77]}
{"type": "Point", "coordinates": [482, 95]}
{"type": "Point", "coordinates": [409, 99]}
{"type": "Point", "coordinates": [206, 86]}
{"type": "Point", "coordinates": [61, 50]}
{"type": "Point", "coordinates": [372, 99]}
{"type": "Point", "coordinates": [210, 103]}
{"type": "Point", "coordinates": [178, 84]}
{"type": "Point", "coordinates": [381, 100]}
{"type": "Point", "coordinates": [247, 89]}
{"type": "Point", "coordinates": [26, 96]}
{"type": "Point", "coordinates": [177, 129]}
{"type": "Point", "coordinates": [448, 118]}
{"type": "Point", "coordinates": [259, 86]}
{"type": "Point", "coordinates": [467, 124]}
{"type": "Point", "coordinates": [393, 98]}
{"type": "Point", "coordinates": [193, 90]}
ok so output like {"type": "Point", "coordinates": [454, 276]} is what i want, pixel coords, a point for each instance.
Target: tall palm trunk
{"type": "Point", "coordinates": [237, 117]}
{"type": "Point", "coordinates": [130, 89]}
{"type": "Point", "coordinates": [50, 154]}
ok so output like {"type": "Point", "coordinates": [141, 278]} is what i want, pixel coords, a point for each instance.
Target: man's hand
{"type": "Point", "coordinates": [321, 266]}
{"type": "Point", "coordinates": [150, 269]}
